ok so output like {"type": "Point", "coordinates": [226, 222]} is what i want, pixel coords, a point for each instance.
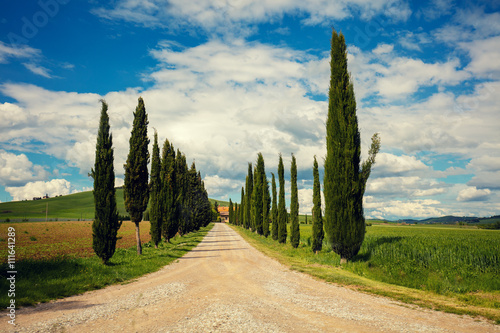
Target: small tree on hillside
{"type": "Point", "coordinates": [105, 226]}
{"type": "Point", "coordinates": [156, 211]}
{"type": "Point", "coordinates": [317, 222]}
{"type": "Point", "coordinates": [294, 207]}
{"type": "Point", "coordinates": [136, 187]}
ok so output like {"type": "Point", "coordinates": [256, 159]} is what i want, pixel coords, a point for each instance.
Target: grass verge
{"type": "Point", "coordinates": [43, 280]}
{"type": "Point", "coordinates": [303, 260]}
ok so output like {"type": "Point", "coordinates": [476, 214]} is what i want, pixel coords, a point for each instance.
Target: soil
{"type": "Point", "coordinates": [225, 285]}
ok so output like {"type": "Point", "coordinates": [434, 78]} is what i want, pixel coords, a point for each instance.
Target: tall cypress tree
{"type": "Point", "coordinates": [248, 197]}
{"type": "Point", "coordinates": [231, 211]}
{"type": "Point", "coordinates": [236, 214]}
{"type": "Point", "coordinates": [257, 195]}
{"type": "Point", "coordinates": [282, 213]}
{"type": "Point", "coordinates": [317, 222]}
{"type": "Point", "coordinates": [156, 188]}
{"type": "Point", "coordinates": [169, 191]}
{"type": "Point", "coordinates": [105, 225]}
{"type": "Point", "coordinates": [294, 207]}
{"type": "Point", "coordinates": [183, 214]}
{"type": "Point", "coordinates": [274, 209]}
{"type": "Point", "coordinates": [344, 182]}
{"type": "Point", "coordinates": [266, 205]}
{"type": "Point", "coordinates": [136, 187]}
{"type": "Point", "coordinates": [242, 208]}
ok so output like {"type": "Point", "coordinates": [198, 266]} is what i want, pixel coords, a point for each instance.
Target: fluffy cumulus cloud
{"type": "Point", "coordinates": [222, 103]}
{"type": "Point", "coordinates": [473, 194]}
{"type": "Point", "coordinates": [39, 189]}
{"type": "Point", "coordinates": [18, 169]}
{"type": "Point", "coordinates": [420, 208]}
{"type": "Point", "coordinates": [72, 118]}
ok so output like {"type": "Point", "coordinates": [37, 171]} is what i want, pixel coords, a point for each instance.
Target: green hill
{"type": "Point", "coordinates": [78, 206]}
{"type": "Point", "coordinates": [69, 207]}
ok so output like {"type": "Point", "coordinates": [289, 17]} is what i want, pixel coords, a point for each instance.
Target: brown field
{"type": "Point", "coordinates": [46, 240]}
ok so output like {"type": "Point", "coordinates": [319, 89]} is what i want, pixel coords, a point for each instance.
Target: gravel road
{"type": "Point", "coordinates": [225, 285]}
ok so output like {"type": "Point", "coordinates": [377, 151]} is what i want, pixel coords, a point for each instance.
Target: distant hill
{"type": "Point", "coordinates": [73, 207]}
{"type": "Point", "coordinates": [77, 206]}
{"type": "Point", "coordinates": [452, 220]}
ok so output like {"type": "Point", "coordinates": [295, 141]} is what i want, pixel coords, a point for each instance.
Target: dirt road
{"type": "Point", "coordinates": [225, 285]}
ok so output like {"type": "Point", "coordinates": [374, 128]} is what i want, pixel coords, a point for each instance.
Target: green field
{"type": "Point", "coordinates": [434, 258]}
{"type": "Point", "coordinates": [459, 266]}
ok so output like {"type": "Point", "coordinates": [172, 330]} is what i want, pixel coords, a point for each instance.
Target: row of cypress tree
{"type": "Point", "coordinates": [179, 201]}
{"type": "Point", "coordinates": [344, 179]}
{"type": "Point", "coordinates": [258, 210]}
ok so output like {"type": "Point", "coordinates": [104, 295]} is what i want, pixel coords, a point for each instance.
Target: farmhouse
{"type": "Point", "coordinates": [224, 214]}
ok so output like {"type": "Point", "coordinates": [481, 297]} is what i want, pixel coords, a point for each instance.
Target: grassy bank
{"type": "Point", "coordinates": [444, 268]}
{"type": "Point", "coordinates": [43, 280]}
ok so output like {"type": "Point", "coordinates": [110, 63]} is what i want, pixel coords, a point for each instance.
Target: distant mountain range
{"type": "Point", "coordinates": [452, 220]}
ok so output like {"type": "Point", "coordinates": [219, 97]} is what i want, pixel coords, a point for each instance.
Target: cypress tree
{"type": "Point", "coordinates": [248, 197]}
{"type": "Point", "coordinates": [231, 211]}
{"type": "Point", "coordinates": [257, 195]}
{"type": "Point", "coordinates": [266, 205]}
{"type": "Point", "coordinates": [344, 182]}
{"type": "Point", "coordinates": [274, 209]}
{"type": "Point", "coordinates": [317, 222]}
{"type": "Point", "coordinates": [236, 214]}
{"type": "Point", "coordinates": [105, 225]}
{"type": "Point", "coordinates": [169, 191]}
{"type": "Point", "coordinates": [156, 187]}
{"type": "Point", "coordinates": [242, 208]}
{"type": "Point", "coordinates": [183, 213]}
{"type": "Point", "coordinates": [294, 207]}
{"type": "Point", "coordinates": [216, 209]}
{"type": "Point", "coordinates": [136, 187]}
{"type": "Point", "coordinates": [282, 213]}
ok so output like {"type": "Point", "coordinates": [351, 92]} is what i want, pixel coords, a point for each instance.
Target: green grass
{"type": "Point", "coordinates": [447, 268]}
{"type": "Point", "coordinates": [442, 260]}
{"type": "Point", "coordinates": [41, 281]}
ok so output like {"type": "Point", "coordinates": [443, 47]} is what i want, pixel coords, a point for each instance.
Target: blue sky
{"type": "Point", "coordinates": [224, 80]}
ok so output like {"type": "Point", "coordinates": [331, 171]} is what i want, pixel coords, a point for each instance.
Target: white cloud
{"type": "Point", "coordinates": [217, 186]}
{"type": "Point", "coordinates": [38, 70]}
{"type": "Point", "coordinates": [18, 169]}
{"type": "Point", "coordinates": [484, 54]}
{"type": "Point", "coordinates": [389, 209]}
{"type": "Point", "coordinates": [237, 17]}
{"type": "Point", "coordinates": [24, 51]}
{"type": "Point", "coordinates": [393, 165]}
{"type": "Point", "coordinates": [383, 48]}
{"type": "Point", "coordinates": [39, 189]}
{"type": "Point", "coordinates": [12, 115]}
{"type": "Point", "coordinates": [473, 194]}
